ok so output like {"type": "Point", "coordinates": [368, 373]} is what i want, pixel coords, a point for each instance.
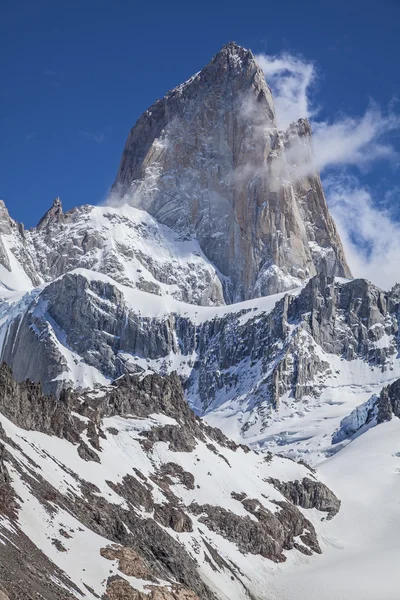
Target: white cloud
{"type": "Point", "coordinates": [94, 136]}
{"type": "Point", "coordinates": [290, 78]}
{"type": "Point", "coordinates": [354, 141]}
{"type": "Point", "coordinates": [370, 237]}
{"type": "Point", "coordinates": [29, 137]}
{"type": "Point", "coordinates": [344, 141]}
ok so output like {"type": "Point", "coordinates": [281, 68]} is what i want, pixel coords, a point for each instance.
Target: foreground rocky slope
{"type": "Point", "coordinates": [125, 493]}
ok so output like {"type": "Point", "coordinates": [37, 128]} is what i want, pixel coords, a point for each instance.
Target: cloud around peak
{"type": "Point", "coordinates": [341, 147]}
{"type": "Point", "coordinates": [290, 78]}
{"type": "Point", "coordinates": [344, 140]}
{"type": "Point", "coordinates": [370, 236]}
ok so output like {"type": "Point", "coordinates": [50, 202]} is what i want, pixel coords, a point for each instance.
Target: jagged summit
{"type": "Point", "coordinates": [234, 48]}
{"type": "Point", "coordinates": [209, 161]}
{"type": "Point", "coordinates": [231, 61]}
{"type": "Point", "coordinates": [54, 212]}
{"type": "Point", "coordinates": [237, 55]}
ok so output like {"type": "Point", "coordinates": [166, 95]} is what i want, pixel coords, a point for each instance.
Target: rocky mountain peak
{"type": "Point", "coordinates": [234, 49]}
{"type": "Point", "coordinates": [5, 219]}
{"type": "Point", "coordinates": [208, 161]}
{"type": "Point", "coordinates": [234, 58]}
{"type": "Point", "coordinates": [54, 213]}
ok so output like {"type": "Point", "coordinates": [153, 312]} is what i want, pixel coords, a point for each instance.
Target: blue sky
{"type": "Point", "coordinates": [75, 77]}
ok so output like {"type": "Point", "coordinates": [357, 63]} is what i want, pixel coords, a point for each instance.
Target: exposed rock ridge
{"type": "Point", "coordinates": [260, 357]}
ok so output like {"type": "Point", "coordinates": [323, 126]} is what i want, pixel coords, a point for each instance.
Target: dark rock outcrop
{"type": "Point", "coordinates": [309, 493]}
{"type": "Point", "coordinates": [388, 403]}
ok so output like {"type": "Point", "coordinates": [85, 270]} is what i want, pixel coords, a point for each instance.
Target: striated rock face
{"type": "Point", "coordinates": [309, 494]}
{"type": "Point", "coordinates": [156, 520]}
{"type": "Point", "coordinates": [84, 330]}
{"type": "Point", "coordinates": [209, 161]}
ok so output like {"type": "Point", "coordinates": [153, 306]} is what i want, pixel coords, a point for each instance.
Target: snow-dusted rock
{"type": "Point", "coordinates": [125, 243]}
{"type": "Point", "coordinates": [146, 518]}
{"type": "Point", "coordinates": [244, 366]}
{"type": "Point", "coordinates": [209, 161]}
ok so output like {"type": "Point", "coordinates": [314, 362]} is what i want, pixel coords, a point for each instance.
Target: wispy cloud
{"type": "Point", "coordinates": [370, 236]}
{"type": "Point", "coordinates": [29, 137]}
{"type": "Point", "coordinates": [355, 141]}
{"type": "Point", "coordinates": [94, 136]}
{"type": "Point", "coordinates": [52, 77]}
{"type": "Point", "coordinates": [341, 141]}
{"type": "Point", "coordinates": [290, 78]}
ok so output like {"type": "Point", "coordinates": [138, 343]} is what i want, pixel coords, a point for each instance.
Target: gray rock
{"type": "Point", "coordinates": [208, 160]}
{"type": "Point", "coordinates": [388, 403]}
{"type": "Point", "coordinates": [309, 493]}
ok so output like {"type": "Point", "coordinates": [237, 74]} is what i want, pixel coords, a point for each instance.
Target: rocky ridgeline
{"type": "Point", "coordinates": [259, 356]}
{"type": "Point", "coordinates": [149, 531]}
{"type": "Point", "coordinates": [126, 244]}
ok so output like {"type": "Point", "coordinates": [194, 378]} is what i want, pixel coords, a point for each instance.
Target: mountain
{"type": "Point", "coordinates": [209, 297]}
{"type": "Point", "coordinates": [223, 213]}
{"type": "Point", "coordinates": [209, 161]}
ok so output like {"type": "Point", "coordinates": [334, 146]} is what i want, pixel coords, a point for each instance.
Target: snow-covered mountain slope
{"type": "Point", "coordinates": [126, 244]}
{"type": "Point", "coordinates": [360, 549]}
{"type": "Point", "coordinates": [279, 372]}
{"type": "Point", "coordinates": [126, 493]}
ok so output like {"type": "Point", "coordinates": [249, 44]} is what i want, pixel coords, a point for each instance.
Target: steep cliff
{"type": "Point", "coordinates": [209, 161]}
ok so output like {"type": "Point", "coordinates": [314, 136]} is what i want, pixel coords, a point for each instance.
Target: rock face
{"type": "Point", "coordinates": [209, 161]}
{"type": "Point", "coordinates": [388, 403]}
{"type": "Point", "coordinates": [152, 516]}
{"type": "Point", "coordinates": [308, 494]}
{"type": "Point", "coordinates": [84, 329]}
